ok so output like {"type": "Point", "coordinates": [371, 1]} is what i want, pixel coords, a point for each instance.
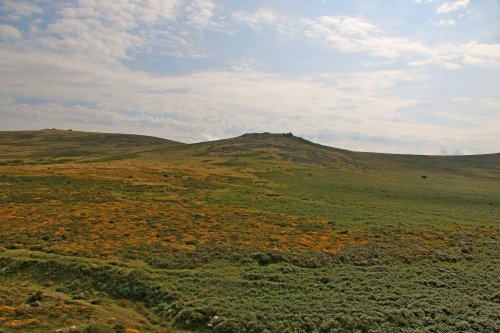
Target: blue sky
{"type": "Point", "coordinates": [401, 76]}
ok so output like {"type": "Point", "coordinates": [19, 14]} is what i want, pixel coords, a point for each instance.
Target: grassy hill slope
{"type": "Point", "coordinates": [56, 146]}
{"type": "Point", "coordinates": [259, 233]}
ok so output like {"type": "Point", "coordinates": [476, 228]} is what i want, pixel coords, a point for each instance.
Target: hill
{"type": "Point", "coordinates": [259, 233]}
{"type": "Point", "coordinates": [56, 146]}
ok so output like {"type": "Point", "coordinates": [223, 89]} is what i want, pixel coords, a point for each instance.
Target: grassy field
{"type": "Point", "coordinates": [259, 233]}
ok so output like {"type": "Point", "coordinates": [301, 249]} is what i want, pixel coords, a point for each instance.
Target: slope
{"type": "Point", "coordinates": [268, 232]}
{"type": "Point", "coordinates": [55, 146]}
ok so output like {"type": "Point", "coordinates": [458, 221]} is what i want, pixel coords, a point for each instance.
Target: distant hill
{"type": "Point", "coordinates": [265, 149]}
{"type": "Point", "coordinates": [51, 145]}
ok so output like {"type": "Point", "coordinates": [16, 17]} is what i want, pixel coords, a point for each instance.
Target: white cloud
{"type": "Point", "coordinates": [201, 13]}
{"type": "Point", "coordinates": [106, 31]}
{"type": "Point", "coordinates": [448, 22]}
{"type": "Point", "coordinates": [422, 1]}
{"type": "Point", "coordinates": [490, 103]}
{"type": "Point", "coordinates": [257, 19]}
{"type": "Point", "coordinates": [8, 32]}
{"type": "Point", "coordinates": [360, 36]}
{"type": "Point", "coordinates": [454, 56]}
{"type": "Point", "coordinates": [348, 25]}
{"type": "Point", "coordinates": [18, 9]}
{"type": "Point", "coordinates": [370, 83]}
{"type": "Point", "coordinates": [265, 18]}
{"type": "Point", "coordinates": [452, 6]}
{"type": "Point", "coordinates": [112, 32]}
{"type": "Point", "coordinates": [351, 34]}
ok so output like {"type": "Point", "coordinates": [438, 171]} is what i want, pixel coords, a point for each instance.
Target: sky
{"type": "Point", "coordinates": [394, 76]}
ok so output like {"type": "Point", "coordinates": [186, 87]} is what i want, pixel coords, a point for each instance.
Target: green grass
{"type": "Point", "coordinates": [421, 297]}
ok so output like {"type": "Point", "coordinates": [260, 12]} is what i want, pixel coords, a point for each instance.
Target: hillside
{"type": "Point", "coordinates": [259, 233]}
{"type": "Point", "coordinates": [56, 146]}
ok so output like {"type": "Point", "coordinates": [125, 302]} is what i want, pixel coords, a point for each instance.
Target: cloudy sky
{"type": "Point", "coordinates": [413, 76]}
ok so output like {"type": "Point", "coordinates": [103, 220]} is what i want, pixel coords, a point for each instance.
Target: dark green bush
{"type": "Point", "coordinates": [34, 297]}
{"type": "Point", "coordinates": [228, 326]}
{"type": "Point", "coordinates": [190, 319]}
{"type": "Point", "coordinates": [94, 328]}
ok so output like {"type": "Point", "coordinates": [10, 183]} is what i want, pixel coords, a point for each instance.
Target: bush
{"type": "Point", "coordinates": [34, 297]}
{"type": "Point", "coordinates": [168, 311]}
{"type": "Point", "coordinates": [262, 258]}
{"type": "Point", "coordinates": [92, 328]}
{"type": "Point", "coordinates": [228, 326]}
{"type": "Point", "coordinates": [190, 319]}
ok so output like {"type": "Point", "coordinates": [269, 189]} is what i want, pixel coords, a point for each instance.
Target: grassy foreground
{"type": "Point", "coordinates": [260, 233]}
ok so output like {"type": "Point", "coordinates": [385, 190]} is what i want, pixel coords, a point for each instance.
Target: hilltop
{"type": "Point", "coordinates": [258, 233]}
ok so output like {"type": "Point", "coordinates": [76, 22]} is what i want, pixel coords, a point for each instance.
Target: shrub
{"type": "Point", "coordinates": [262, 258]}
{"type": "Point", "coordinates": [34, 297]}
{"type": "Point", "coordinates": [228, 326]}
{"type": "Point", "coordinates": [93, 328]}
{"type": "Point", "coordinates": [190, 319]}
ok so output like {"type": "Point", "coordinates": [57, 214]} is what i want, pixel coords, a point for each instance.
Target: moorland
{"type": "Point", "coordinates": [258, 233]}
